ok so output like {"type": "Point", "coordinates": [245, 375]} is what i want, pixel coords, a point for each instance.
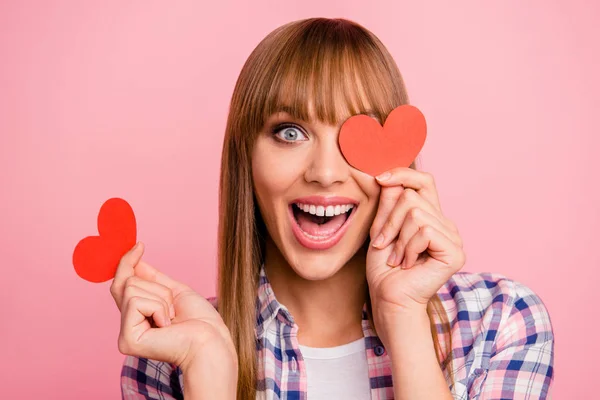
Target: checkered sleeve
{"type": "Point", "coordinates": [521, 365]}
{"type": "Point", "coordinates": [142, 378]}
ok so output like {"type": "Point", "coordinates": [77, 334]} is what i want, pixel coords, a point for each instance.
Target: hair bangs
{"type": "Point", "coordinates": [328, 73]}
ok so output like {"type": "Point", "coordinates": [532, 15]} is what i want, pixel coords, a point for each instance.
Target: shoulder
{"type": "Point", "coordinates": [502, 336]}
{"type": "Point", "coordinates": [498, 301]}
{"type": "Point", "coordinates": [485, 289]}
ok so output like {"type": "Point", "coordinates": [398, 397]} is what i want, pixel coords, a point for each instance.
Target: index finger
{"type": "Point", "coordinates": [149, 273]}
{"type": "Point", "coordinates": [125, 270]}
{"type": "Point", "coordinates": [420, 181]}
{"type": "Point", "coordinates": [387, 202]}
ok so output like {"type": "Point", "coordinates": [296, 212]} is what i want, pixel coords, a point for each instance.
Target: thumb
{"type": "Point", "coordinates": [125, 269]}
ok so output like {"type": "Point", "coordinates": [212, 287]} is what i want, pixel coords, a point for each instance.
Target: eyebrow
{"type": "Point", "coordinates": [289, 110]}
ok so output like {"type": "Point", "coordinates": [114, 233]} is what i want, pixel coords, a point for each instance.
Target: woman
{"type": "Point", "coordinates": [332, 284]}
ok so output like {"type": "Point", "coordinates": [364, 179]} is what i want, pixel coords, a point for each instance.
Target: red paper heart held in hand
{"type": "Point", "coordinates": [374, 149]}
{"type": "Point", "coordinates": [96, 258]}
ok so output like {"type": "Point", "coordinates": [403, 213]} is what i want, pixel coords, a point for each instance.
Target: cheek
{"type": "Point", "coordinates": [274, 169]}
{"type": "Point", "coordinates": [372, 190]}
{"type": "Point", "coordinates": [368, 186]}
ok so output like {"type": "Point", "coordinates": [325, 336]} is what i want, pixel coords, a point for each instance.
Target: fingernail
{"type": "Point", "coordinates": [168, 322]}
{"type": "Point", "coordinates": [392, 258]}
{"type": "Point", "coordinates": [384, 176]}
{"type": "Point", "coordinates": [379, 241]}
{"type": "Point", "coordinates": [172, 311]}
{"type": "Point", "coordinates": [137, 245]}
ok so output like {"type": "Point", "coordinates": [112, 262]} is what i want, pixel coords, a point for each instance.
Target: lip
{"type": "Point", "coordinates": [330, 241]}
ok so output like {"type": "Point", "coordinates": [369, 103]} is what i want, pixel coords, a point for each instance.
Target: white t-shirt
{"type": "Point", "coordinates": [337, 372]}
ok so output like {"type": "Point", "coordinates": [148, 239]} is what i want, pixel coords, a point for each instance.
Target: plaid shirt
{"type": "Point", "coordinates": [502, 339]}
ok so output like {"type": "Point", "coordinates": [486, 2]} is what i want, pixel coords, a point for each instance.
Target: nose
{"type": "Point", "coordinates": [327, 165]}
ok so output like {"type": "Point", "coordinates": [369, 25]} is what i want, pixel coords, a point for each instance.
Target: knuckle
{"type": "Point", "coordinates": [389, 225]}
{"type": "Point", "coordinates": [134, 301]}
{"type": "Point", "coordinates": [415, 213]}
{"type": "Point", "coordinates": [404, 199]}
{"type": "Point", "coordinates": [170, 297]}
{"type": "Point", "coordinates": [124, 346]}
{"type": "Point", "coordinates": [462, 258]}
{"type": "Point", "coordinates": [454, 229]}
{"type": "Point", "coordinates": [185, 288]}
{"type": "Point", "coordinates": [129, 292]}
{"type": "Point", "coordinates": [166, 293]}
{"type": "Point", "coordinates": [386, 193]}
{"type": "Point", "coordinates": [165, 303]}
{"type": "Point", "coordinates": [451, 225]}
{"type": "Point", "coordinates": [388, 196]}
{"type": "Point", "coordinates": [409, 195]}
{"type": "Point", "coordinates": [429, 178]}
{"type": "Point", "coordinates": [113, 290]}
{"type": "Point", "coordinates": [427, 230]}
{"type": "Point", "coordinates": [131, 280]}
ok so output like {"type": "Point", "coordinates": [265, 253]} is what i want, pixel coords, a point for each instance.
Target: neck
{"type": "Point", "coordinates": [328, 312]}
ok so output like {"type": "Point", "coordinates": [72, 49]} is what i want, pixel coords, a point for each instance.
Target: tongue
{"type": "Point", "coordinates": [307, 224]}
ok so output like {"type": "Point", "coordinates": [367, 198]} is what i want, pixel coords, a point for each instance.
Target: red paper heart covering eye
{"type": "Point", "coordinates": [96, 258]}
{"type": "Point", "coordinates": [374, 149]}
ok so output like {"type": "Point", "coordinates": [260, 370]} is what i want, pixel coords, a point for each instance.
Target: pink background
{"type": "Point", "coordinates": [111, 98]}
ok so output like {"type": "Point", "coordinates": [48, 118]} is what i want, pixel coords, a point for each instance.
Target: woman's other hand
{"type": "Point", "coordinates": [163, 319]}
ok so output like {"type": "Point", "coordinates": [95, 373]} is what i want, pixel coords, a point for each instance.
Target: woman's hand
{"type": "Point", "coordinates": [415, 249]}
{"type": "Point", "coordinates": [165, 320]}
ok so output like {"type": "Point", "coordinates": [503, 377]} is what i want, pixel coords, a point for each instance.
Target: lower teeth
{"type": "Point", "coordinates": [322, 237]}
{"type": "Point", "coordinates": [316, 237]}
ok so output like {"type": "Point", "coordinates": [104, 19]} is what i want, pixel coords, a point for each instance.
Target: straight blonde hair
{"type": "Point", "coordinates": [338, 67]}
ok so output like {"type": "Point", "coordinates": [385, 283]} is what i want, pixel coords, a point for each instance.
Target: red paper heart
{"type": "Point", "coordinates": [96, 258]}
{"type": "Point", "coordinates": [374, 149]}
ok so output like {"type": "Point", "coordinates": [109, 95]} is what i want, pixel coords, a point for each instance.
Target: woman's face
{"type": "Point", "coordinates": [317, 208]}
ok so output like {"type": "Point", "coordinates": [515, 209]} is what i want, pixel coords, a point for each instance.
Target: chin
{"type": "Point", "coordinates": [318, 266]}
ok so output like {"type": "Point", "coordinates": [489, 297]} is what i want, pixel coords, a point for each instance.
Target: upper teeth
{"type": "Point", "coordinates": [328, 211]}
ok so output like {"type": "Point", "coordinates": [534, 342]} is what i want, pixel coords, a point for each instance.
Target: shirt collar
{"type": "Point", "coordinates": [268, 308]}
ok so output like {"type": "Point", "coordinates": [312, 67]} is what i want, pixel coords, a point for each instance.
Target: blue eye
{"type": "Point", "coordinates": [289, 133]}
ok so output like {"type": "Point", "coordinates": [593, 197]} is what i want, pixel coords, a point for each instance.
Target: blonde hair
{"type": "Point", "coordinates": [343, 69]}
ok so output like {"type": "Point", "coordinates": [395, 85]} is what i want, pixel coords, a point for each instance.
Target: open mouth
{"type": "Point", "coordinates": [320, 227]}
